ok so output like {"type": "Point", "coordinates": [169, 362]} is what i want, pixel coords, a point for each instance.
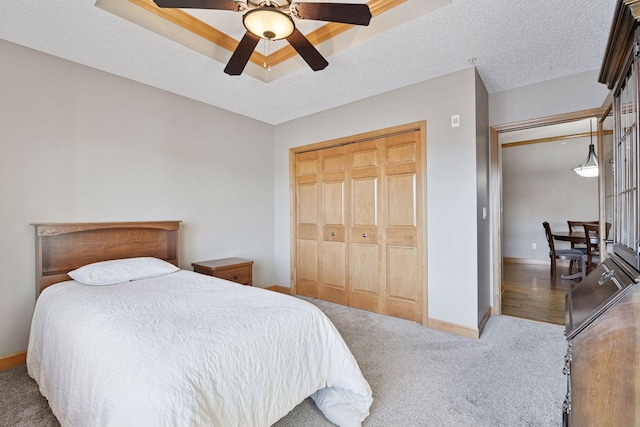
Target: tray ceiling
{"type": "Point", "coordinates": [512, 43]}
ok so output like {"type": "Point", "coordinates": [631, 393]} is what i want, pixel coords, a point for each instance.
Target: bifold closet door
{"type": "Point", "coordinates": [359, 237]}
{"type": "Point", "coordinates": [403, 190]}
{"type": "Point", "coordinates": [321, 264]}
{"type": "Point", "coordinates": [385, 252]}
{"type": "Point", "coordinates": [366, 272]}
{"type": "Point", "coordinates": [333, 214]}
{"type": "Point", "coordinates": [307, 224]}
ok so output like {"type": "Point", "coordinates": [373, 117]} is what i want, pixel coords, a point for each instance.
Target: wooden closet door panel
{"type": "Point", "coordinates": [333, 202]}
{"type": "Point", "coordinates": [365, 207]}
{"type": "Point", "coordinates": [401, 201]}
{"type": "Point", "coordinates": [306, 164]}
{"type": "Point", "coordinates": [335, 272]}
{"type": "Point", "coordinates": [364, 280]}
{"type": "Point", "coordinates": [402, 190]}
{"type": "Point", "coordinates": [307, 224]}
{"type": "Point", "coordinates": [364, 210]}
{"type": "Point", "coordinates": [403, 284]}
{"type": "Point", "coordinates": [333, 211]}
{"type": "Point", "coordinates": [307, 203]}
{"type": "Point", "coordinates": [307, 268]}
{"type": "Point", "coordinates": [402, 274]}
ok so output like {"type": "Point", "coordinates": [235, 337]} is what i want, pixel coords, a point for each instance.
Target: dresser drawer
{"type": "Point", "coordinates": [236, 274]}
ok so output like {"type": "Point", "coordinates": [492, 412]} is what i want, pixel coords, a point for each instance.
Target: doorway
{"type": "Point", "coordinates": [535, 272]}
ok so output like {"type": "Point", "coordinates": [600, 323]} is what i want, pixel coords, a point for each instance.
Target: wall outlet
{"type": "Point", "coordinates": [533, 246]}
{"type": "Point", "coordinates": [455, 120]}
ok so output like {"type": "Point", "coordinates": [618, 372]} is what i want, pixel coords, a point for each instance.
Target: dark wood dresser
{"type": "Point", "coordinates": [602, 362]}
{"type": "Point", "coordinates": [605, 367]}
{"type": "Point", "coordinates": [237, 270]}
{"type": "Point", "coordinates": [603, 311]}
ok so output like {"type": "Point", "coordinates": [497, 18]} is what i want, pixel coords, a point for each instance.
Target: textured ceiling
{"type": "Point", "coordinates": [515, 43]}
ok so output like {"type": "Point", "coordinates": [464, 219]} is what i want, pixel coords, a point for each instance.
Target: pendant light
{"type": "Point", "coordinates": [589, 168]}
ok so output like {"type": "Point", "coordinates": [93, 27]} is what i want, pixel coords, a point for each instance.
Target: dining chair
{"type": "Point", "coordinates": [575, 256]}
{"type": "Point", "coordinates": [578, 226]}
{"type": "Point", "coordinates": [592, 257]}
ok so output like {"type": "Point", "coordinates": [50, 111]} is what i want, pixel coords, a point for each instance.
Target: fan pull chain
{"type": "Point", "coordinates": [267, 52]}
{"type": "Point", "coordinates": [264, 64]}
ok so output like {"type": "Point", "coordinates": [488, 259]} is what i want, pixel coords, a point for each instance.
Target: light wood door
{"type": "Point", "coordinates": [366, 273]}
{"type": "Point", "coordinates": [308, 193]}
{"type": "Point", "coordinates": [359, 224]}
{"type": "Point", "coordinates": [385, 255]}
{"type": "Point", "coordinates": [333, 213]}
{"type": "Point", "coordinates": [402, 189]}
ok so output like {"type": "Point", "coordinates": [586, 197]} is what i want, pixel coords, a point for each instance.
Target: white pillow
{"type": "Point", "coordinates": [121, 270]}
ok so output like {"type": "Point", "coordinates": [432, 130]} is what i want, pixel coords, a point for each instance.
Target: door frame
{"type": "Point", "coordinates": [419, 126]}
{"type": "Point", "coordinates": [495, 176]}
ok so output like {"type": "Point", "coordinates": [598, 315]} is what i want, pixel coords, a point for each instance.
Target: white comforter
{"type": "Point", "coordinates": [188, 350]}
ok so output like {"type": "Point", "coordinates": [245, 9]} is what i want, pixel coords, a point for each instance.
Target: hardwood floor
{"type": "Point", "coordinates": [529, 292]}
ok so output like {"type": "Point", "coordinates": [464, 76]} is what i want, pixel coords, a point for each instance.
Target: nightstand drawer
{"type": "Point", "coordinates": [237, 274]}
{"type": "Point", "coordinates": [234, 269]}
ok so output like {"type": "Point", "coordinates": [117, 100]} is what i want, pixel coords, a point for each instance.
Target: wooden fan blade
{"type": "Point", "coordinates": [307, 51]}
{"type": "Point", "coordinates": [242, 54]}
{"type": "Point", "coordinates": [199, 4]}
{"type": "Point", "coordinates": [356, 14]}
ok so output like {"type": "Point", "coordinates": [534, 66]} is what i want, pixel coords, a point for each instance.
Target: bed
{"type": "Point", "coordinates": [177, 348]}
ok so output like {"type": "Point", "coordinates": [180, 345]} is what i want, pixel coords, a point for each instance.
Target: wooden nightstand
{"type": "Point", "coordinates": [234, 269]}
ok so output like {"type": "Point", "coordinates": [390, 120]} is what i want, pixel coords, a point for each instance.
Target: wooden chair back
{"type": "Point", "coordinates": [592, 240]}
{"type": "Point", "coordinates": [575, 257]}
{"type": "Point", "coordinates": [547, 232]}
{"type": "Point", "coordinates": [578, 226]}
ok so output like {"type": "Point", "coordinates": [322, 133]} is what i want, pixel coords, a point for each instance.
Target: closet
{"type": "Point", "coordinates": [358, 223]}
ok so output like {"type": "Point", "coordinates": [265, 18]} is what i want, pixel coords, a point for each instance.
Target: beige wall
{"type": "Point", "coordinates": [83, 145]}
{"type": "Point", "coordinates": [451, 180]}
{"type": "Point", "coordinates": [538, 185]}
{"type": "Point", "coordinates": [482, 193]}
{"type": "Point", "coordinates": [567, 94]}
{"type": "Point", "coordinates": [558, 96]}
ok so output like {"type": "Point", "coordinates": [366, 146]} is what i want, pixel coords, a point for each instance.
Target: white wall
{"type": "Point", "coordinates": [451, 180]}
{"type": "Point", "coordinates": [83, 145]}
{"type": "Point", "coordinates": [538, 185]}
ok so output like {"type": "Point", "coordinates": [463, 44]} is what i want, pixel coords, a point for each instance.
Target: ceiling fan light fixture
{"type": "Point", "coordinates": [268, 23]}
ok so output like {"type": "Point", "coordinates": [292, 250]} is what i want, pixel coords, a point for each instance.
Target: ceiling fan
{"type": "Point", "coordinates": [271, 20]}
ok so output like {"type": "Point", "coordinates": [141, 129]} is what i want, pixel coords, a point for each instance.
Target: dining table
{"type": "Point", "coordinates": [572, 236]}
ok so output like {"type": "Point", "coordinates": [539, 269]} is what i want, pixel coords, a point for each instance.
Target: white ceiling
{"type": "Point", "coordinates": [515, 43]}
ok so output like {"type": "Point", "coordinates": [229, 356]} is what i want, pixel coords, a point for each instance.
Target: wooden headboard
{"type": "Point", "coordinates": [61, 248]}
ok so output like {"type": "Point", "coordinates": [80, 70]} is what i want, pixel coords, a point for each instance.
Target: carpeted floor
{"type": "Point", "coordinates": [511, 376]}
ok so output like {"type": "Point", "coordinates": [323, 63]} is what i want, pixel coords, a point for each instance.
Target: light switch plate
{"type": "Point", "coordinates": [455, 120]}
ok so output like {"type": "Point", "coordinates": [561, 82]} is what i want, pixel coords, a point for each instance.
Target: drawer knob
{"type": "Point", "coordinates": [333, 233]}
{"type": "Point", "coordinates": [235, 277]}
{"type": "Point", "coordinates": [364, 234]}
